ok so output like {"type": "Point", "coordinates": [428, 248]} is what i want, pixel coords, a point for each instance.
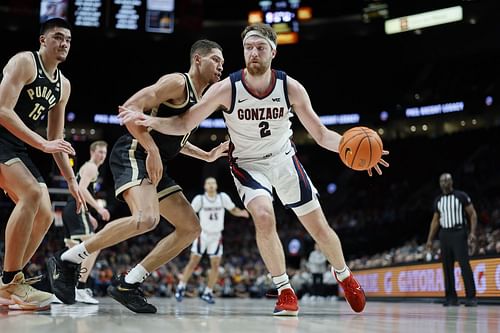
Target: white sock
{"type": "Point", "coordinates": [341, 274]}
{"type": "Point", "coordinates": [208, 290]}
{"type": "Point", "coordinates": [136, 274]}
{"type": "Point", "coordinates": [281, 282]}
{"type": "Point", "coordinates": [181, 285]}
{"type": "Point", "coordinates": [76, 254]}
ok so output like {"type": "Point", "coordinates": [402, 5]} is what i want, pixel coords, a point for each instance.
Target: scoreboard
{"type": "Point", "coordinates": [133, 15]}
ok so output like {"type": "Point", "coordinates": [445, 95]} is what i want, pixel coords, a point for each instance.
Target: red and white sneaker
{"type": "Point", "coordinates": [287, 304]}
{"type": "Point", "coordinates": [353, 292]}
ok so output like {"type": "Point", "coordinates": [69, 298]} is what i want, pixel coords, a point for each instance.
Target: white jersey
{"type": "Point", "coordinates": [259, 127]}
{"type": "Point", "coordinates": [211, 211]}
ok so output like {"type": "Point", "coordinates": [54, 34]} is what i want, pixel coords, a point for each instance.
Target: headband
{"type": "Point", "coordinates": [259, 34]}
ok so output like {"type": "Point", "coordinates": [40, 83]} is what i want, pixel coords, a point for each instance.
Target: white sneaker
{"type": "Point", "coordinates": [85, 296]}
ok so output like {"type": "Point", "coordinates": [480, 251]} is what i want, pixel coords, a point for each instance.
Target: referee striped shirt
{"type": "Point", "coordinates": [451, 209]}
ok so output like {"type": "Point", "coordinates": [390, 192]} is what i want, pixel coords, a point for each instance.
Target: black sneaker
{"type": "Point", "coordinates": [470, 302]}
{"type": "Point", "coordinates": [452, 302]}
{"type": "Point", "coordinates": [130, 295]}
{"type": "Point", "coordinates": [63, 277]}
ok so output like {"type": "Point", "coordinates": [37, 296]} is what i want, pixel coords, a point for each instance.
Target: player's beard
{"type": "Point", "coordinates": [259, 68]}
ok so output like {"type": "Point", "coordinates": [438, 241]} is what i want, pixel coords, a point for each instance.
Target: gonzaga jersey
{"type": "Point", "coordinates": [211, 211]}
{"type": "Point", "coordinates": [171, 145]}
{"type": "Point", "coordinates": [259, 127]}
{"type": "Point", "coordinates": [35, 100]}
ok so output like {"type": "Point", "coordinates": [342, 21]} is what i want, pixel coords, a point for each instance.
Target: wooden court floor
{"type": "Point", "coordinates": [251, 315]}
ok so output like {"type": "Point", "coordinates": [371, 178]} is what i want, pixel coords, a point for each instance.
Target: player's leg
{"type": "Point", "coordinates": [194, 260]}
{"type": "Point", "coordinates": [64, 268]}
{"type": "Point", "coordinates": [42, 223]}
{"type": "Point", "coordinates": [19, 183]}
{"type": "Point", "coordinates": [297, 192]}
{"type": "Point", "coordinates": [178, 211]}
{"type": "Point", "coordinates": [213, 274]}
{"type": "Point", "coordinates": [255, 190]}
{"type": "Point", "coordinates": [83, 294]}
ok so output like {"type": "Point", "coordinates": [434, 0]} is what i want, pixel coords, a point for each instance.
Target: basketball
{"type": "Point", "coordinates": [360, 148]}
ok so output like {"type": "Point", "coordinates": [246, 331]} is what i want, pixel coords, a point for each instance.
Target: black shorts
{"type": "Point", "coordinates": [10, 154]}
{"type": "Point", "coordinates": [76, 225]}
{"type": "Point", "coordinates": [128, 166]}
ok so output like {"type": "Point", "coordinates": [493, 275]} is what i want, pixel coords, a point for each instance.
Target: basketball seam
{"type": "Point", "coordinates": [357, 149]}
{"type": "Point", "coordinates": [342, 145]}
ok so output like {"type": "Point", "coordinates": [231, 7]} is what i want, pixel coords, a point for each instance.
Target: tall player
{"type": "Point", "coordinates": [138, 162]}
{"type": "Point", "coordinates": [31, 86]}
{"type": "Point", "coordinates": [80, 227]}
{"type": "Point", "coordinates": [211, 207]}
{"type": "Point", "coordinates": [258, 103]}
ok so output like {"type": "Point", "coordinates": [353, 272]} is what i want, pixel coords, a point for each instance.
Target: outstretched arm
{"type": "Point", "coordinates": [218, 96]}
{"type": "Point", "coordinates": [209, 156]}
{"type": "Point", "coordinates": [323, 136]}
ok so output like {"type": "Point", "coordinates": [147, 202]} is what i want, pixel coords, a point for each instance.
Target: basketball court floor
{"type": "Point", "coordinates": [253, 315]}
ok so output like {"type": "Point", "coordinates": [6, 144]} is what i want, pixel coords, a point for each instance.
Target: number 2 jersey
{"type": "Point", "coordinates": [35, 101]}
{"type": "Point", "coordinates": [259, 127]}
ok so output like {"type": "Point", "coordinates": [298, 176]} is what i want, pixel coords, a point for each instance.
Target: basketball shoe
{"type": "Point", "coordinates": [179, 293]}
{"type": "Point", "coordinates": [208, 297]}
{"type": "Point", "coordinates": [63, 277]}
{"type": "Point", "coordinates": [23, 296]}
{"type": "Point", "coordinates": [85, 296]}
{"type": "Point", "coordinates": [130, 295]}
{"type": "Point", "coordinates": [353, 292]}
{"type": "Point", "coordinates": [287, 304]}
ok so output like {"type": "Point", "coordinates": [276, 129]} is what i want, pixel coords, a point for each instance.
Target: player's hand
{"type": "Point", "coordinates": [104, 214]}
{"type": "Point", "coordinates": [93, 221]}
{"type": "Point", "coordinates": [219, 151]}
{"type": "Point", "coordinates": [74, 189]}
{"type": "Point", "coordinates": [128, 116]}
{"type": "Point", "coordinates": [245, 213]}
{"type": "Point", "coordinates": [381, 162]}
{"type": "Point", "coordinates": [58, 146]}
{"type": "Point", "coordinates": [472, 239]}
{"type": "Point", "coordinates": [428, 246]}
{"type": "Point", "coordinates": [154, 167]}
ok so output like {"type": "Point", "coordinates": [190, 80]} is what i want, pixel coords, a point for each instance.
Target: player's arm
{"type": "Point", "coordinates": [209, 156]}
{"type": "Point", "coordinates": [433, 230]}
{"type": "Point", "coordinates": [88, 172]}
{"type": "Point", "coordinates": [20, 71]}
{"type": "Point", "coordinates": [471, 212]}
{"type": "Point", "coordinates": [238, 212]}
{"type": "Point", "coordinates": [326, 138]}
{"type": "Point", "coordinates": [55, 131]}
{"type": "Point", "coordinates": [231, 207]}
{"type": "Point", "coordinates": [217, 97]}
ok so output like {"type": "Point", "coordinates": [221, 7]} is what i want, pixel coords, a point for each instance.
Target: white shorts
{"type": "Point", "coordinates": [211, 244]}
{"type": "Point", "coordinates": [285, 174]}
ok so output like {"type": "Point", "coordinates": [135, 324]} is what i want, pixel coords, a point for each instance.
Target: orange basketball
{"type": "Point", "coordinates": [360, 148]}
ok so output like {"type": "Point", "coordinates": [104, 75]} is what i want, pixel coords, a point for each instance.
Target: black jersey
{"type": "Point", "coordinates": [171, 145]}
{"type": "Point", "coordinates": [35, 100]}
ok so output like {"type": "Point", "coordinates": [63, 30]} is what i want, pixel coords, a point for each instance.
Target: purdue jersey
{"type": "Point", "coordinates": [35, 100]}
{"type": "Point", "coordinates": [171, 145]}
{"type": "Point", "coordinates": [211, 211]}
{"type": "Point", "coordinates": [259, 127]}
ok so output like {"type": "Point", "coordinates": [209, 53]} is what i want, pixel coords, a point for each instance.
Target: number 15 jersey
{"type": "Point", "coordinates": [259, 127]}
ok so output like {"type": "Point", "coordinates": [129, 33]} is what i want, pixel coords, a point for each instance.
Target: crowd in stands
{"type": "Point", "coordinates": [381, 221]}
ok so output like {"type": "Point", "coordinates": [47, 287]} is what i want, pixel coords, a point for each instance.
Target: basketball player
{"type": "Point", "coordinates": [210, 207]}
{"type": "Point", "coordinates": [258, 103]}
{"type": "Point", "coordinates": [138, 163]}
{"type": "Point", "coordinates": [80, 227]}
{"type": "Point", "coordinates": [31, 86]}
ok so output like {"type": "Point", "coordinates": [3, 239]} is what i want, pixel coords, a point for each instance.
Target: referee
{"type": "Point", "coordinates": [450, 210]}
